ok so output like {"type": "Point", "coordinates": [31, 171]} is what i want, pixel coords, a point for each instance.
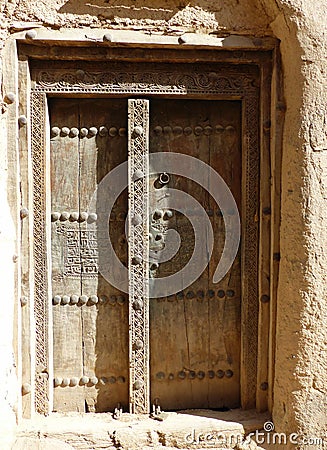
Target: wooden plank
{"type": "Point", "coordinates": [66, 281]}
{"type": "Point", "coordinates": [264, 248]}
{"type": "Point", "coordinates": [105, 323]}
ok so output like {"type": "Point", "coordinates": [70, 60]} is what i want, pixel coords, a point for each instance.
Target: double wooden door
{"type": "Point", "coordinates": [194, 334]}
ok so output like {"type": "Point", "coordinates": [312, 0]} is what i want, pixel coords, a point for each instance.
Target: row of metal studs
{"type": "Point", "coordinates": [88, 132]}
{"type": "Point", "coordinates": [84, 380]}
{"type": "Point", "coordinates": [192, 375]}
{"type": "Point", "coordinates": [84, 299]}
{"type": "Point", "coordinates": [197, 130]}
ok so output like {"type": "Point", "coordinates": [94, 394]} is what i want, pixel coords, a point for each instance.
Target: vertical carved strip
{"type": "Point", "coordinates": [250, 253]}
{"type": "Point", "coordinates": [38, 105]}
{"type": "Point", "coordinates": [138, 203]}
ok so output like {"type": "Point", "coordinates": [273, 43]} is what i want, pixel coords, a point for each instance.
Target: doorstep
{"type": "Point", "coordinates": [189, 429]}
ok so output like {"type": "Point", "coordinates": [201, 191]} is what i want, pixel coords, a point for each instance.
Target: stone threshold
{"type": "Point", "coordinates": [189, 429]}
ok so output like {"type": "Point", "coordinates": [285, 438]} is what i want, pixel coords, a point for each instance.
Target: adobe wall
{"type": "Point", "coordinates": [301, 363]}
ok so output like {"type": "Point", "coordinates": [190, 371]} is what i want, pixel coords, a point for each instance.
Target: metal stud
{"type": "Point", "coordinates": [10, 98]}
{"type": "Point", "coordinates": [200, 294]}
{"type": "Point", "coordinates": [229, 373]}
{"type": "Point", "coordinates": [83, 216]}
{"type": "Point", "coordinates": [122, 132]}
{"type": "Point", "coordinates": [220, 374]}
{"type": "Point", "coordinates": [93, 299]}
{"type": "Point", "coordinates": [137, 385]}
{"type": "Point", "coordinates": [211, 374]}
{"type": "Point", "coordinates": [103, 299]}
{"type": "Point", "coordinates": [188, 131]}
{"type": "Point", "coordinates": [160, 376]}
{"type": "Point", "coordinates": [83, 299]}
{"type": "Point", "coordinates": [65, 299]}
{"type": "Point", "coordinates": [136, 260]}
{"type": "Point", "coordinates": [191, 375]}
{"type": "Point", "coordinates": [74, 381]}
{"type": "Point", "coordinates": [23, 213]}
{"type": "Point", "coordinates": [190, 294]}
{"type": "Point", "coordinates": [74, 216]}
{"type": "Point", "coordinates": [168, 214]}
{"type": "Point", "coordinates": [230, 293]}
{"type": "Point", "coordinates": [55, 131]}
{"type": "Point", "coordinates": [84, 132]}
{"type": "Point", "coordinates": [23, 301]}
{"type": "Point", "coordinates": [198, 131]}
{"type": "Point", "coordinates": [136, 219]}
{"type": "Point", "coordinates": [154, 266]}
{"type": "Point", "coordinates": [120, 380]}
{"type": "Point", "coordinates": [103, 380]}
{"type": "Point", "coordinates": [219, 129]}
{"type": "Point", "coordinates": [120, 300]}
{"type": "Point", "coordinates": [167, 130]}
{"type": "Point", "coordinates": [264, 386]}
{"type": "Point", "coordinates": [74, 132]}
{"type": "Point", "coordinates": [171, 376]}
{"type": "Point", "coordinates": [74, 299]}
{"type": "Point", "coordinates": [65, 382]}
{"type": "Point", "coordinates": [221, 293]}
{"type": "Point", "coordinates": [265, 298]}
{"type": "Point", "coordinates": [56, 300]}
{"type": "Point", "coordinates": [211, 293]}
{"type": "Point", "coordinates": [94, 381]}
{"type": "Point", "coordinates": [107, 37]}
{"type": "Point", "coordinates": [57, 381]}
{"type": "Point", "coordinates": [22, 120]}
{"type": "Point", "coordinates": [137, 131]}
{"type": "Point", "coordinates": [182, 375]}
{"type": "Point", "coordinates": [180, 295]}
{"type": "Point", "coordinates": [84, 380]}
{"type": "Point", "coordinates": [138, 344]}
{"type": "Point", "coordinates": [137, 175]}
{"type": "Point", "coordinates": [113, 131]}
{"type": "Point", "coordinates": [26, 388]}
{"type": "Point", "coordinates": [137, 305]}
{"type": "Point", "coordinates": [93, 131]}
{"type": "Point", "coordinates": [201, 375]}
{"type": "Point", "coordinates": [65, 131]}
{"type": "Point", "coordinates": [103, 131]}
{"type": "Point", "coordinates": [157, 130]}
{"type": "Point", "coordinates": [92, 217]}
{"type": "Point", "coordinates": [112, 380]}
{"type": "Point", "coordinates": [178, 131]}
{"type": "Point", "coordinates": [208, 130]}
{"type": "Point", "coordinates": [64, 216]}
{"type": "Point", "coordinates": [158, 214]}
{"type": "Point", "coordinates": [30, 34]}
{"type": "Point", "coordinates": [55, 216]}
{"type": "Point", "coordinates": [112, 300]}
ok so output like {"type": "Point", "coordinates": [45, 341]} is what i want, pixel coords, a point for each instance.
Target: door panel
{"type": "Point", "coordinates": [195, 334]}
{"type": "Point", "coordinates": [90, 317]}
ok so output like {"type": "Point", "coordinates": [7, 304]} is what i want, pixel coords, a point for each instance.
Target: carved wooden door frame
{"type": "Point", "coordinates": [222, 75]}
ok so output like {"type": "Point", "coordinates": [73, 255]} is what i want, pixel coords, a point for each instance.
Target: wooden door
{"type": "Point", "coordinates": [195, 334]}
{"type": "Point", "coordinates": [90, 317]}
